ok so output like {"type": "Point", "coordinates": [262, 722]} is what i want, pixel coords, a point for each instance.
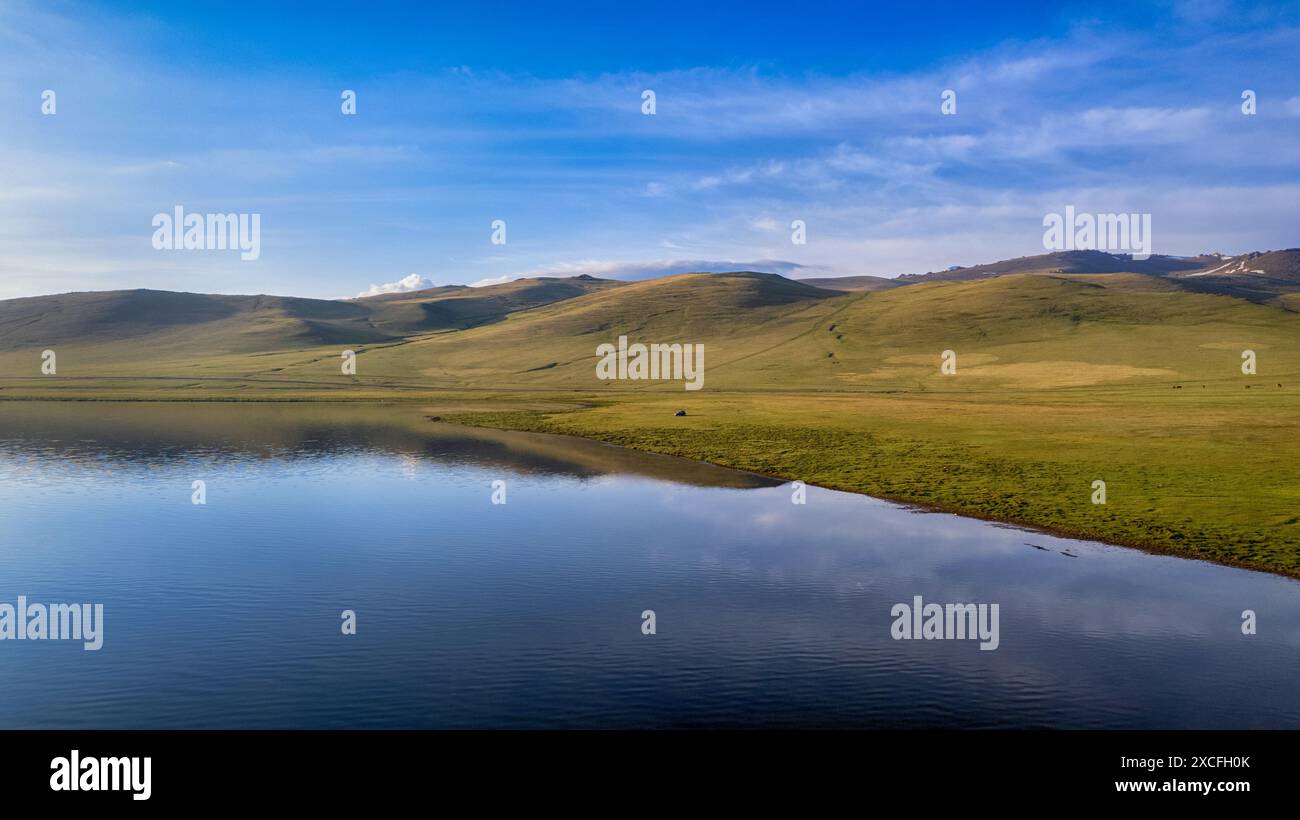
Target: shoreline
{"type": "Point", "coordinates": [921, 506]}
{"type": "Point", "coordinates": [468, 420]}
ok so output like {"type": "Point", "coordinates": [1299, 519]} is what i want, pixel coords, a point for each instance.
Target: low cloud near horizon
{"type": "Point", "coordinates": [636, 271]}
{"type": "Point", "coordinates": [407, 283]}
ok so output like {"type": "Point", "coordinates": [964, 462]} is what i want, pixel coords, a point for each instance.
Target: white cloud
{"type": "Point", "coordinates": [652, 269]}
{"type": "Point", "coordinates": [741, 176]}
{"type": "Point", "coordinates": [407, 283]}
{"type": "Point", "coordinates": [495, 280]}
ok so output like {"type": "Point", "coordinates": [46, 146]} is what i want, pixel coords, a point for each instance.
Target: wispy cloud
{"type": "Point", "coordinates": [495, 280]}
{"type": "Point", "coordinates": [1104, 115]}
{"type": "Point", "coordinates": [669, 267]}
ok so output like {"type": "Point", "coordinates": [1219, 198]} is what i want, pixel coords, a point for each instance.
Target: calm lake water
{"type": "Point", "coordinates": [528, 614]}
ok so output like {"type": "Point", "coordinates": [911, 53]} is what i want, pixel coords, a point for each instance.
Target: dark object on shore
{"type": "Point", "coordinates": [435, 418]}
{"type": "Point", "coordinates": [680, 413]}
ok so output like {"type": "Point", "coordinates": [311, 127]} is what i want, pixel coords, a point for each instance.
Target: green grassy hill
{"type": "Point", "coordinates": [458, 307]}
{"type": "Point", "coordinates": [735, 315]}
{"type": "Point", "coordinates": [759, 331]}
{"type": "Point", "coordinates": [214, 323]}
{"type": "Point", "coordinates": [853, 283]}
{"type": "Point", "coordinates": [762, 332]}
{"type": "Point", "coordinates": [161, 333]}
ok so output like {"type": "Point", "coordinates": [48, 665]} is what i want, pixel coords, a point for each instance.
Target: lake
{"type": "Point", "coordinates": [470, 613]}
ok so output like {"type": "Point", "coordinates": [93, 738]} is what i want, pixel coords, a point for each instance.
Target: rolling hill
{"type": "Point", "coordinates": [458, 307]}
{"type": "Point", "coordinates": [1260, 276]}
{"type": "Point", "coordinates": [1015, 323]}
{"type": "Point", "coordinates": [118, 330]}
{"type": "Point", "coordinates": [1067, 262]}
{"type": "Point", "coordinates": [734, 314]}
{"type": "Point", "coordinates": [1271, 276]}
{"type": "Point", "coordinates": [853, 283]}
{"type": "Point", "coordinates": [760, 333]}
{"type": "Point", "coordinates": [207, 324]}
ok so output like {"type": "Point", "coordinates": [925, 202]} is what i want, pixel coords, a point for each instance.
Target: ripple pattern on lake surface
{"type": "Point", "coordinates": [528, 614]}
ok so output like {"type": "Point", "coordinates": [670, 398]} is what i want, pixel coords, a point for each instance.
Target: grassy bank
{"type": "Point", "coordinates": [1199, 476]}
{"type": "Point", "coordinates": [1204, 472]}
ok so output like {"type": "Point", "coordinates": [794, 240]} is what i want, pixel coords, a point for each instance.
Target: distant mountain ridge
{"type": "Point", "coordinates": [1092, 261]}
{"type": "Point", "coordinates": [1258, 275]}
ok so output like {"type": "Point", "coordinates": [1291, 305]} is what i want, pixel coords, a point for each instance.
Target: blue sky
{"type": "Point", "coordinates": [766, 113]}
